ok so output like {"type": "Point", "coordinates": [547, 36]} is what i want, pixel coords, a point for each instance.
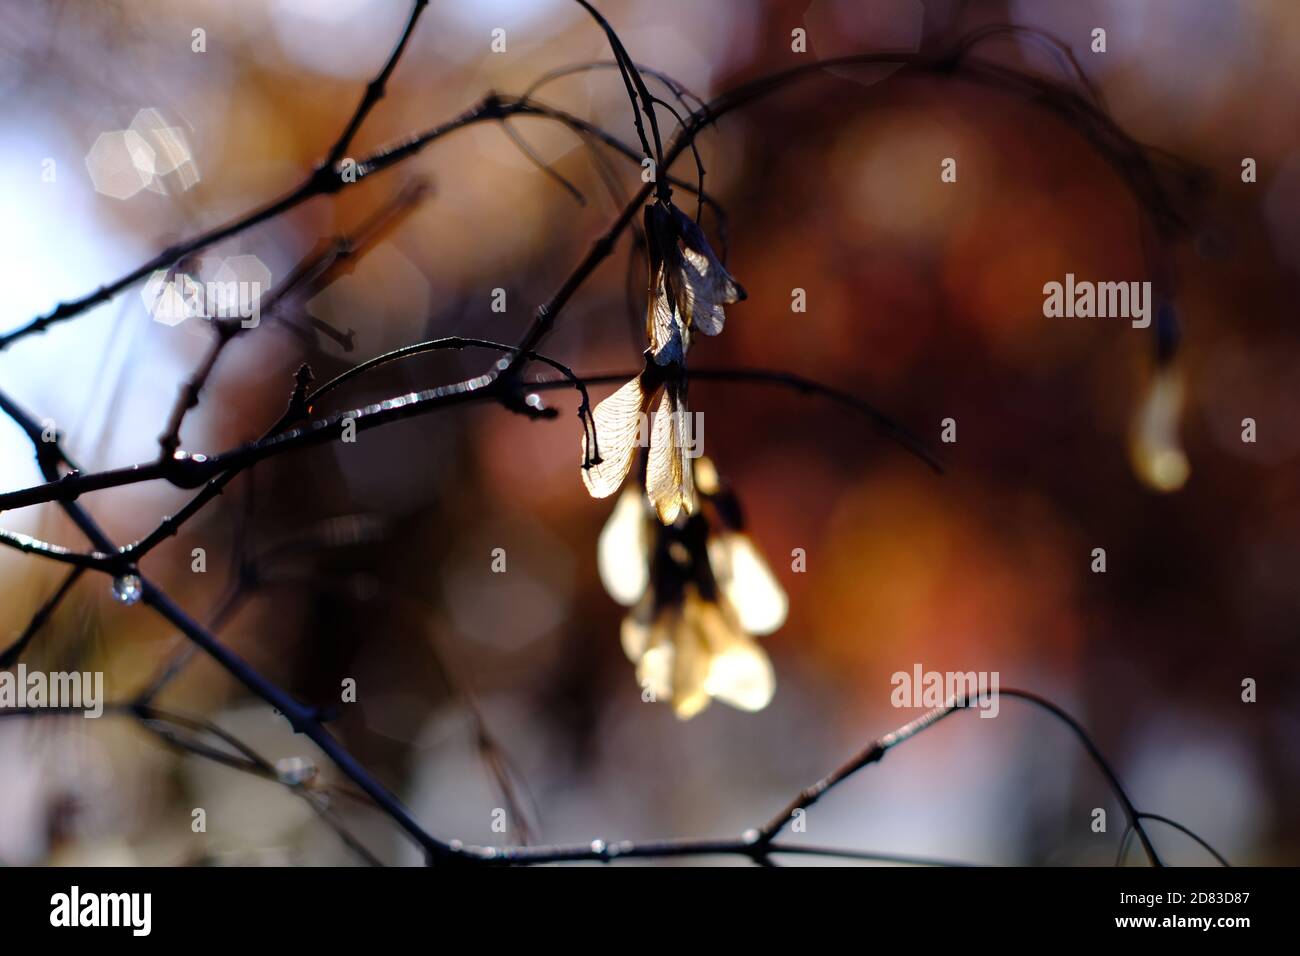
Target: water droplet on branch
{"type": "Point", "coordinates": [127, 589]}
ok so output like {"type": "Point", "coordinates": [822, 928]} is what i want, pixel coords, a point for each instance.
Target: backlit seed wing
{"type": "Point", "coordinates": [665, 324]}
{"type": "Point", "coordinates": [663, 480]}
{"type": "Point", "coordinates": [739, 672]}
{"type": "Point", "coordinates": [654, 671]}
{"type": "Point", "coordinates": [672, 658]}
{"type": "Point", "coordinates": [706, 476]}
{"type": "Point", "coordinates": [711, 288]}
{"type": "Point", "coordinates": [1157, 456]}
{"type": "Point", "coordinates": [691, 656]}
{"type": "Point", "coordinates": [711, 285]}
{"type": "Point", "coordinates": [669, 483]}
{"type": "Point", "coordinates": [680, 290]}
{"type": "Point", "coordinates": [686, 441]}
{"type": "Point", "coordinates": [741, 676]}
{"type": "Point", "coordinates": [674, 675]}
{"type": "Point", "coordinates": [637, 631]}
{"type": "Point", "coordinates": [618, 425]}
{"type": "Point", "coordinates": [623, 550]}
{"type": "Point", "coordinates": [747, 583]}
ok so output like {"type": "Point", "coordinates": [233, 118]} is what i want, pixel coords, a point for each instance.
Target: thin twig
{"type": "Point", "coordinates": [56, 552]}
{"type": "Point", "coordinates": [246, 759]}
{"type": "Point", "coordinates": [375, 89]}
{"type": "Point", "coordinates": [1184, 830]}
{"type": "Point", "coordinates": [311, 273]}
{"type": "Point", "coordinates": [190, 472]}
{"type": "Point", "coordinates": [759, 844]}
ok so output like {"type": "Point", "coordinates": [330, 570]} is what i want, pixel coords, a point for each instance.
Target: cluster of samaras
{"type": "Point", "coordinates": [677, 554]}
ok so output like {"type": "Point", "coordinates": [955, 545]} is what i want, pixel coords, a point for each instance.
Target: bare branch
{"type": "Point", "coordinates": [375, 89]}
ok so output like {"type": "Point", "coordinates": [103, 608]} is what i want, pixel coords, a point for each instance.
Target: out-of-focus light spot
{"type": "Point", "coordinates": [485, 14]}
{"type": "Point", "coordinates": [1157, 455]}
{"type": "Point", "coordinates": [251, 280]}
{"type": "Point", "coordinates": [888, 169]}
{"type": "Point", "coordinates": [1172, 67]}
{"type": "Point", "coordinates": [113, 369]}
{"type": "Point", "coordinates": [681, 51]}
{"type": "Point", "coordinates": [1220, 37]}
{"type": "Point", "coordinates": [120, 164]}
{"type": "Point", "coordinates": [225, 288]}
{"type": "Point", "coordinates": [168, 143]}
{"type": "Point", "coordinates": [344, 38]}
{"type": "Point", "coordinates": [170, 147]}
{"type": "Point", "coordinates": [164, 301]}
{"type": "Point", "coordinates": [465, 30]}
{"type": "Point", "coordinates": [123, 162]}
{"type": "Point", "coordinates": [522, 604]}
{"type": "Point", "coordinates": [844, 27]}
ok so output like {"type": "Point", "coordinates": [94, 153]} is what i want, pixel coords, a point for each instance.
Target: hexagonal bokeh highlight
{"type": "Point", "coordinates": [239, 286]}
{"type": "Point", "coordinates": [164, 301]}
{"type": "Point", "coordinates": [171, 149]}
{"type": "Point", "coordinates": [211, 288]}
{"type": "Point", "coordinates": [120, 163]}
{"type": "Point", "coordinates": [123, 162]}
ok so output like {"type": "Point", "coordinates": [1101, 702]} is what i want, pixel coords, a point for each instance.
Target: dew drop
{"type": "Point", "coordinates": [295, 770]}
{"type": "Point", "coordinates": [127, 589]}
